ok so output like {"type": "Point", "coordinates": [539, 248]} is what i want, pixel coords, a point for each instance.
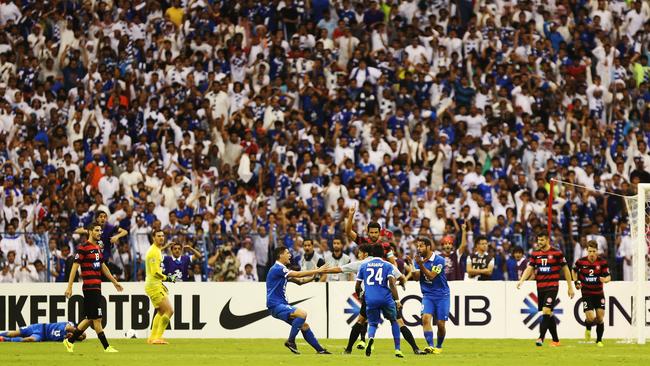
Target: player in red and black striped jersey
{"type": "Point", "coordinates": [547, 262]}
{"type": "Point", "coordinates": [89, 259]}
{"type": "Point", "coordinates": [374, 239]}
{"type": "Point", "coordinates": [591, 272]}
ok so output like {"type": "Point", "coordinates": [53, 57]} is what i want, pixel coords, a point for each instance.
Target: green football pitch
{"type": "Point", "coordinates": [262, 352]}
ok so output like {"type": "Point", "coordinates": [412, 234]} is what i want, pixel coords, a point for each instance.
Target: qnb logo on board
{"type": "Point", "coordinates": [354, 309]}
{"type": "Point", "coordinates": [533, 315]}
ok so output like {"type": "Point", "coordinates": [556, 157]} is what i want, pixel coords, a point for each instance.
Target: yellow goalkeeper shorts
{"type": "Point", "coordinates": [157, 294]}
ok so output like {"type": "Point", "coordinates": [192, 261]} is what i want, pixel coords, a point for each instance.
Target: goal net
{"type": "Point", "coordinates": [638, 207]}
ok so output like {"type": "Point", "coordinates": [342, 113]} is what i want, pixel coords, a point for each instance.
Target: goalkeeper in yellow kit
{"type": "Point", "coordinates": [155, 289]}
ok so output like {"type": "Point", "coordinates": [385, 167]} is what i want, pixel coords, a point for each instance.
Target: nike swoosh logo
{"type": "Point", "coordinates": [230, 321]}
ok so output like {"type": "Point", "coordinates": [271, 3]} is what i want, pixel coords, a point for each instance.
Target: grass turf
{"type": "Point", "coordinates": [263, 352]}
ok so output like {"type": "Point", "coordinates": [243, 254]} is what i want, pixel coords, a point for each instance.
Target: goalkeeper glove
{"type": "Point", "coordinates": [171, 278]}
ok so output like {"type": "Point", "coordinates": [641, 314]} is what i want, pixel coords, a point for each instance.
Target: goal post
{"type": "Point", "coordinates": [637, 245]}
{"type": "Point", "coordinates": [640, 263]}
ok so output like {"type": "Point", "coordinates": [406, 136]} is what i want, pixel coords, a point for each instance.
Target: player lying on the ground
{"type": "Point", "coordinates": [50, 332]}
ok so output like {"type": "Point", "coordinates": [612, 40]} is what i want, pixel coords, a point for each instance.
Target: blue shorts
{"type": "Point", "coordinates": [282, 312]}
{"type": "Point", "coordinates": [439, 307]}
{"type": "Point", "coordinates": [374, 313]}
{"type": "Point", "coordinates": [35, 330]}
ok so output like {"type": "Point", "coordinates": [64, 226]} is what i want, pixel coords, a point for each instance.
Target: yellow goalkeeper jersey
{"type": "Point", "coordinates": [155, 274]}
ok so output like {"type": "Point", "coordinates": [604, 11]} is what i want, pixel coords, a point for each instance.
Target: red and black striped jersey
{"type": "Point", "coordinates": [547, 265]}
{"type": "Point", "coordinates": [366, 240]}
{"type": "Point", "coordinates": [89, 257]}
{"type": "Point", "coordinates": [589, 275]}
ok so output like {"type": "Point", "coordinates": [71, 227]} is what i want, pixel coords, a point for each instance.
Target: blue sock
{"type": "Point", "coordinates": [4, 334]}
{"type": "Point", "coordinates": [439, 340]}
{"type": "Point", "coordinates": [14, 339]}
{"type": "Point", "coordinates": [428, 336]}
{"type": "Point", "coordinates": [311, 339]}
{"type": "Point", "coordinates": [296, 324]}
{"type": "Point", "coordinates": [372, 329]}
{"type": "Point", "coordinates": [394, 327]}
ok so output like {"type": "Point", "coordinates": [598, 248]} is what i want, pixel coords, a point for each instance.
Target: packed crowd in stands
{"type": "Point", "coordinates": [238, 126]}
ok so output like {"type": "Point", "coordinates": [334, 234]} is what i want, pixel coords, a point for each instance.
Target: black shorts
{"type": "Point", "coordinates": [546, 298]}
{"type": "Point", "coordinates": [93, 304]}
{"type": "Point", "coordinates": [593, 302]}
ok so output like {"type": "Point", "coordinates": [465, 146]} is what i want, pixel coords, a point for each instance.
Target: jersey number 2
{"type": "Point", "coordinates": [372, 276]}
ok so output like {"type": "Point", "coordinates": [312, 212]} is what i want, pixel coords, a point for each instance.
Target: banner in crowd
{"type": "Point", "coordinates": [238, 310]}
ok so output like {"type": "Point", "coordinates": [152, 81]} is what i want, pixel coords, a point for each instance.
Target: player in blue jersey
{"type": "Point", "coordinates": [377, 237]}
{"type": "Point", "coordinates": [430, 268]}
{"type": "Point", "coordinates": [51, 332]}
{"type": "Point", "coordinates": [380, 294]}
{"type": "Point", "coordinates": [279, 307]}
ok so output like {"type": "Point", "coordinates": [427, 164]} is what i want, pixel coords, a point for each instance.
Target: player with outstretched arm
{"type": "Point", "coordinates": [276, 299]}
{"type": "Point", "coordinates": [547, 262]}
{"type": "Point", "coordinates": [364, 255]}
{"type": "Point", "coordinates": [373, 239]}
{"type": "Point", "coordinates": [381, 296]}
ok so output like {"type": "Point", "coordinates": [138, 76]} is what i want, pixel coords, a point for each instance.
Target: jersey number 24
{"type": "Point", "coordinates": [372, 276]}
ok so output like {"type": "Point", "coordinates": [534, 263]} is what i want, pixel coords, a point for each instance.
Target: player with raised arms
{"type": "Point", "coordinates": [381, 296]}
{"type": "Point", "coordinates": [89, 258]}
{"type": "Point", "coordinates": [364, 255]}
{"type": "Point", "coordinates": [373, 239]}
{"type": "Point", "coordinates": [154, 288]}
{"type": "Point", "coordinates": [591, 272]}
{"type": "Point", "coordinates": [547, 262]}
{"type": "Point", "coordinates": [429, 268]}
{"type": "Point", "coordinates": [276, 299]}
